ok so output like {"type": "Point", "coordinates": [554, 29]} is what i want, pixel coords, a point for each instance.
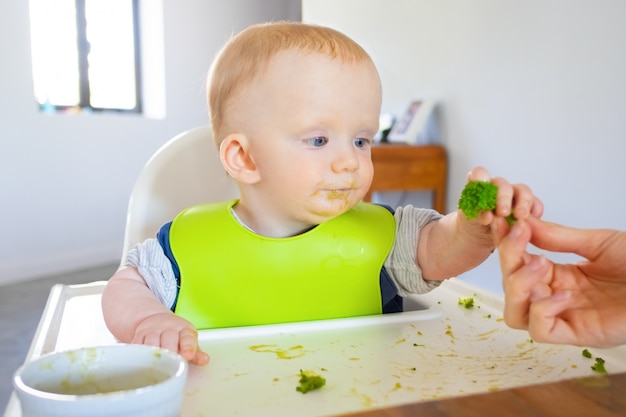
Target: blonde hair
{"type": "Point", "coordinates": [247, 53]}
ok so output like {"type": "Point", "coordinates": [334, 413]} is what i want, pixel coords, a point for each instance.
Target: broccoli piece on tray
{"type": "Point", "coordinates": [309, 381]}
{"type": "Point", "coordinates": [480, 196]}
{"type": "Point", "coordinates": [599, 366]}
{"type": "Point", "coordinates": [467, 302]}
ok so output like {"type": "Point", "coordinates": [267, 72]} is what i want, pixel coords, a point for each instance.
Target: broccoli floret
{"type": "Point", "coordinates": [599, 366]}
{"type": "Point", "coordinates": [480, 196]}
{"type": "Point", "coordinates": [586, 353]}
{"type": "Point", "coordinates": [309, 381]}
{"type": "Point", "coordinates": [467, 302]}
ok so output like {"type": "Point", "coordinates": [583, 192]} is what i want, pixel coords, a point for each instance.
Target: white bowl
{"type": "Point", "coordinates": [118, 380]}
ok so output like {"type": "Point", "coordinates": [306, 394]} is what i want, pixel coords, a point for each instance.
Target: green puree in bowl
{"type": "Point", "coordinates": [103, 382]}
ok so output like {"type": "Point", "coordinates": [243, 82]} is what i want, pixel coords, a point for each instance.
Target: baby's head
{"type": "Point", "coordinates": [247, 54]}
{"type": "Point", "coordinates": [294, 110]}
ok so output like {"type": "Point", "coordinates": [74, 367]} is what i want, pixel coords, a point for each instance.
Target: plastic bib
{"type": "Point", "coordinates": [231, 276]}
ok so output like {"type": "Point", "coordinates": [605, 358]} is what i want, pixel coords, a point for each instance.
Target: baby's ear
{"type": "Point", "coordinates": [236, 158]}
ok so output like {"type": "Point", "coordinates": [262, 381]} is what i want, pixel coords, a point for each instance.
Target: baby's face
{"type": "Point", "coordinates": [311, 120]}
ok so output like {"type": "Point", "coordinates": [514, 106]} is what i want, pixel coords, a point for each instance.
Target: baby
{"type": "Point", "coordinates": [294, 110]}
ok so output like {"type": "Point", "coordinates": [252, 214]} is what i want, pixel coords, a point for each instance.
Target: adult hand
{"type": "Point", "coordinates": [581, 303]}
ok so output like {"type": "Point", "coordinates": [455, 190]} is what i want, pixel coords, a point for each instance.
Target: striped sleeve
{"type": "Point", "coordinates": [156, 269]}
{"type": "Point", "coordinates": [401, 264]}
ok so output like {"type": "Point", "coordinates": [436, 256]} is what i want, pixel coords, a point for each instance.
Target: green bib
{"type": "Point", "coordinates": [231, 276]}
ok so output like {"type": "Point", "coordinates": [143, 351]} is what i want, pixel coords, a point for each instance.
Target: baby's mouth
{"type": "Point", "coordinates": [339, 189]}
{"type": "Point", "coordinates": [338, 193]}
{"type": "Point", "coordinates": [333, 191]}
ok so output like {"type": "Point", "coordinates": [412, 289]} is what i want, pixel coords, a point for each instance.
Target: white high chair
{"type": "Point", "coordinates": [185, 171]}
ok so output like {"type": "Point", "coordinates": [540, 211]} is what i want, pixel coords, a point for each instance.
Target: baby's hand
{"type": "Point", "coordinates": [511, 198]}
{"type": "Point", "coordinates": [172, 332]}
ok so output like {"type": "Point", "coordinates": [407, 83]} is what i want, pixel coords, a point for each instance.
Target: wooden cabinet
{"type": "Point", "coordinates": [402, 167]}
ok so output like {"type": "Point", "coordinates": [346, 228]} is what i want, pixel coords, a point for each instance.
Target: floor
{"type": "Point", "coordinates": [21, 305]}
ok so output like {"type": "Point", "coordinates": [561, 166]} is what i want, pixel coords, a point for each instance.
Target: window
{"type": "Point", "coordinates": [86, 55]}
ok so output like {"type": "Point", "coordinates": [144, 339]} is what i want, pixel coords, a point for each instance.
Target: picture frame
{"type": "Point", "coordinates": [409, 127]}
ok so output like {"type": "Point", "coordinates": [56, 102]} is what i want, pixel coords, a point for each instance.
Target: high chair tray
{"type": "Point", "coordinates": [440, 349]}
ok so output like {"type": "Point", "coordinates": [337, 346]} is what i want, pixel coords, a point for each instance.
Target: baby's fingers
{"type": "Point", "coordinates": [169, 340]}
{"type": "Point", "coordinates": [523, 201]}
{"type": "Point", "coordinates": [478, 174]}
{"type": "Point", "coordinates": [504, 199]}
{"type": "Point", "coordinates": [148, 338]}
{"type": "Point", "coordinates": [189, 349]}
{"type": "Point", "coordinates": [200, 359]}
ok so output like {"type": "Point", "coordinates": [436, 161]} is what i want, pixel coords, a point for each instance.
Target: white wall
{"type": "Point", "coordinates": [65, 180]}
{"type": "Point", "coordinates": [533, 90]}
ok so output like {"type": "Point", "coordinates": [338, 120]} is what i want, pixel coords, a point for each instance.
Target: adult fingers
{"type": "Point", "coordinates": [558, 238]}
{"type": "Point", "coordinates": [499, 229]}
{"type": "Point", "coordinates": [536, 209]}
{"type": "Point", "coordinates": [544, 324]}
{"type": "Point", "coordinates": [512, 246]}
{"type": "Point", "coordinates": [513, 256]}
{"type": "Point", "coordinates": [521, 288]}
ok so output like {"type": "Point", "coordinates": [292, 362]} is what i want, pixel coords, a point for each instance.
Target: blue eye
{"type": "Point", "coordinates": [361, 142]}
{"type": "Point", "coordinates": [318, 141]}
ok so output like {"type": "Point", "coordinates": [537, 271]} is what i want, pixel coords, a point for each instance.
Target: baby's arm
{"type": "Point", "coordinates": [453, 245]}
{"type": "Point", "coordinates": [448, 247]}
{"type": "Point", "coordinates": [134, 315]}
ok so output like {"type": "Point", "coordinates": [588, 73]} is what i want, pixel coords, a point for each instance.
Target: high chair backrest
{"type": "Point", "coordinates": [185, 171]}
